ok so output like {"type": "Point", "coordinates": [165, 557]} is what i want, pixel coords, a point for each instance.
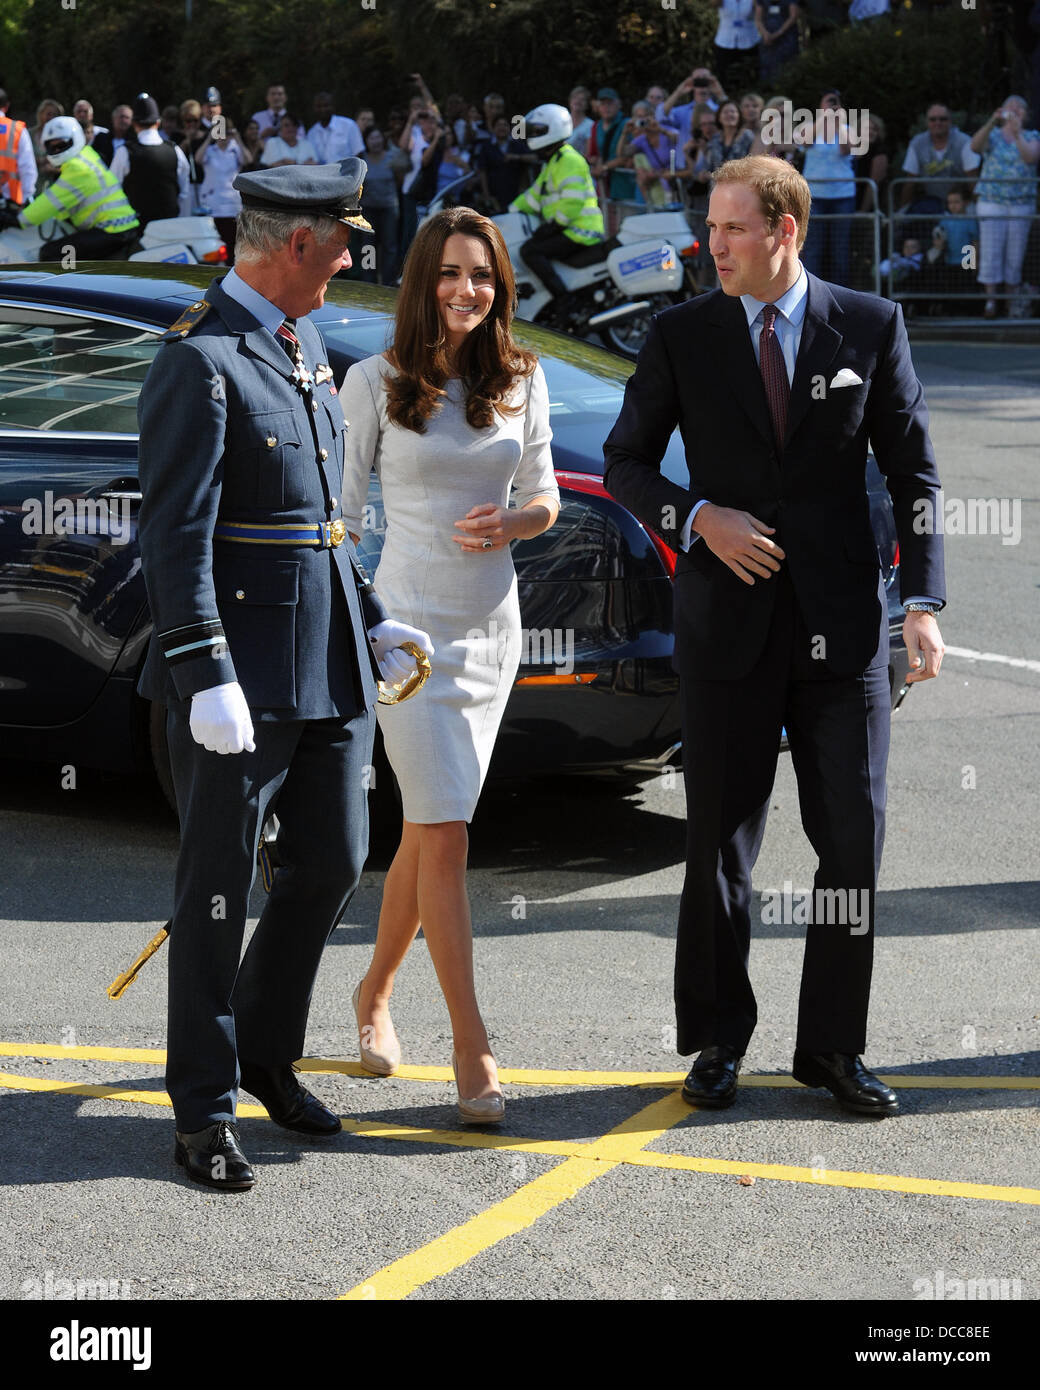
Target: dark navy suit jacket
{"type": "Point", "coordinates": [227, 436]}
{"type": "Point", "coordinates": [698, 371]}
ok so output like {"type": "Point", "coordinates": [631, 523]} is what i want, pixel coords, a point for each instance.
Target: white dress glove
{"type": "Point", "coordinates": [220, 719]}
{"type": "Point", "coordinates": [386, 637]}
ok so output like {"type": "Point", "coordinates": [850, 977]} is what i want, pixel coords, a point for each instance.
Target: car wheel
{"type": "Point", "coordinates": [159, 751]}
{"type": "Point", "coordinates": [628, 337]}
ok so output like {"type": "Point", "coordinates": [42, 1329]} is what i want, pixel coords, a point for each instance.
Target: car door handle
{"type": "Point", "coordinates": [124, 489]}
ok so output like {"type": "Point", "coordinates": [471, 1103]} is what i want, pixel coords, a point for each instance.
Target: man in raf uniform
{"type": "Point", "coordinates": [260, 651]}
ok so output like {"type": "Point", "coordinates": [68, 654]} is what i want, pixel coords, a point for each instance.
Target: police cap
{"type": "Point", "coordinates": [325, 190]}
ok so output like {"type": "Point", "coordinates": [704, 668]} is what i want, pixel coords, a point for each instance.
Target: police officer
{"type": "Point", "coordinates": [154, 173]}
{"type": "Point", "coordinates": [85, 193]}
{"type": "Point", "coordinates": [563, 194]}
{"type": "Point", "coordinates": [268, 642]}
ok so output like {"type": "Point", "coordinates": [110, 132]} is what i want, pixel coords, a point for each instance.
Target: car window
{"type": "Point", "coordinates": [61, 371]}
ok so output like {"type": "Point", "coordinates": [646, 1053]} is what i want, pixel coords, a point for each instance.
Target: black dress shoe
{"type": "Point", "coordinates": [847, 1079]}
{"type": "Point", "coordinates": [213, 1156]}
{"type": "Point", "coordinates": [712, 1081]}
{"type": "Point", "coordinates": [287, 1102]}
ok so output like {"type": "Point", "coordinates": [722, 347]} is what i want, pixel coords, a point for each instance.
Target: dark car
{"type": "Point", "coordinates": [595, 692]}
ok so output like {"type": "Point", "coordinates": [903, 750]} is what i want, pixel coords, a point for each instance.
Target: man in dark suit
{"type": "Point", "coordinates": [259, 649]}
{"type": "Point", "coordinates": [778, 382]}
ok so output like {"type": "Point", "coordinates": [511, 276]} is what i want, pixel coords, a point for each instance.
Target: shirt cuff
{"type": "Point", "coordinates": [686, 536]}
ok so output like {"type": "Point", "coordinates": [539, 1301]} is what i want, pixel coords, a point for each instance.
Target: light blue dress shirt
{"type": "Point", "coordinates": [268, 315]}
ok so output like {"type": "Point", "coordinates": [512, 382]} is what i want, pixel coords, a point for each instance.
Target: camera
{"type": "Point", "coordinates": [640, 122]}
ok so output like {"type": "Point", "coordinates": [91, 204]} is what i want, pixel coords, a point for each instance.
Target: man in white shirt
{"type": "Point", "coordinates": [334, 137]}
{"type": "Point", "coordinates": [269, 117]}
{"type": "Point", "coordinates": [151, 182]}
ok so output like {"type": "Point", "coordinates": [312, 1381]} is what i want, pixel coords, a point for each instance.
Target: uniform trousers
{"type": "Point", "coordinates": [549, 243]}
{"type": "Point", "coordinates": [313, 773]}
{"type": "Point", "coordinates": [91, 244]}
{"type": "Point", "coordinates": [838, 731]}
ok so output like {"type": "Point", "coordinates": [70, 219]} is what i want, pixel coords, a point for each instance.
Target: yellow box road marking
{"type": "Point", "coordinates": [596, 1151]}
{"type": "Point", "coordinates": [518, 1076]}
{"type": "Point", "coordinates": [523, 1208]}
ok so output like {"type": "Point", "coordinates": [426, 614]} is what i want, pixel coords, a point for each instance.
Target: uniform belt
{"type": "Point", "coordinates": [323, 535]}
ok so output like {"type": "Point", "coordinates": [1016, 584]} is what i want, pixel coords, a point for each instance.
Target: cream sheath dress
{"type": "Point", "coordinates": [440, 741]}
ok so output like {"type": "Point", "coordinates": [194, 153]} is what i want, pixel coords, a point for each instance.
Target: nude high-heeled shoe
{"type": "Point", "coordinates": [382, 1063]}
{"type": "Point", "coordinates": [482, 1110]}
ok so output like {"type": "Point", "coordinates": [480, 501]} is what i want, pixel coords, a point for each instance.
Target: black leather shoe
{"type": "Point", "coordinates": [213, 1156]}
{"type": "Point", "coordinates": [712, 1081]}
{"type": "Point", "coordinates": [287, 1102]}
{"type": "Point", "coordinates": [847, 1079]}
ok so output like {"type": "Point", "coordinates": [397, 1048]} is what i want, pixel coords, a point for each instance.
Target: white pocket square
{"type": "Point", "coordinates": [846, 377]}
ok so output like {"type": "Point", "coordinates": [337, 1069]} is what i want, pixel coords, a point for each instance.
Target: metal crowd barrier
{"type": "Point", "coordinates": [934, 259]}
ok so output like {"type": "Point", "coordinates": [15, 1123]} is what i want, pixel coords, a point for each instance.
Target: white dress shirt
{"type": "Point", "coordinates": [340, 139]}
{"type": "Point", "coordinates": [787, 326]}
{"type": "Point", "coordinates": [120, 166]}
{"type": "Point", "coordinates": [276, 149]}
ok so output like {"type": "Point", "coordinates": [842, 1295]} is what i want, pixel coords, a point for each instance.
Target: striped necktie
{"type": "Point", "coordinates": [774, 373]}
{"type": "Point", "coordinates": [286, 335]}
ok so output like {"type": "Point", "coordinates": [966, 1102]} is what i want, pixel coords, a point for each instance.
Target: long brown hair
{"type": "Point", "coordinates": [489, 361]}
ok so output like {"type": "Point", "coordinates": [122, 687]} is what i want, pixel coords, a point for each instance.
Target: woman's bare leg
{"type": "Point", "coordinates": [444, 910]}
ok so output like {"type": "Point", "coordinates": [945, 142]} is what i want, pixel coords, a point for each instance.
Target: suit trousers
{"type": "Point", "coordinates": [838, 731]}
{"type": "Point", "coordinates": [313, 773]}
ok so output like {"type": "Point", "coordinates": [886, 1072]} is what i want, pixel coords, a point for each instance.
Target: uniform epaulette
{"type": "Point", "coordinates": [191, 318]}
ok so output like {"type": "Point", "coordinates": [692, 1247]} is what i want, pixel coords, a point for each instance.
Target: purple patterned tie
{"type": "Point", "coordinates": [774, 373]}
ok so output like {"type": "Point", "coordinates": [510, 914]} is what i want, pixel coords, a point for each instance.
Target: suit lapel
{"type": "Point", "coordinates": [255, 337]}
{"type": "Point", "coordinates": [818, 348]}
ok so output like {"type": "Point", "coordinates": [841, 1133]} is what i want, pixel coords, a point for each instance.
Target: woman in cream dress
{"type": "Point", "coordinates": [451, 418]}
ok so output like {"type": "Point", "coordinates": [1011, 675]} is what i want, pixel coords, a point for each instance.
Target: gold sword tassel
{"type": "Point", "coordinates": [119, 985]}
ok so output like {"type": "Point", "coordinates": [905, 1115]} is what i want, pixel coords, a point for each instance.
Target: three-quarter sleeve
{"type": "Point", "coordinates": [361, 443]}
{"type": "Point", "coordinates": [535, 476]}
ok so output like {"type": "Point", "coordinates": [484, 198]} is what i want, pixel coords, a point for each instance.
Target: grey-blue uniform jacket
{"type": "Point", "coordinates": [227, 436]}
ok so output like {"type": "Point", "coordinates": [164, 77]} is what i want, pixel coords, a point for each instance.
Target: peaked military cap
{"type": "Point", "coordinates": [326, 190]}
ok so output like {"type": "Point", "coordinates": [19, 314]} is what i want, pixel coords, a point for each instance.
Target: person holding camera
{"type": "Point", "coordinates": [220, 159]}
{"type": "Point", "coordinates": [654, 154]}
{"type": "Point", "coordinates": [702, 88]}
{"type": "Point", "coordinates": [1005, 199]}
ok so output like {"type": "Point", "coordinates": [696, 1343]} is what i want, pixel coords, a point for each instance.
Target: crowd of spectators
{"type": "Point", "coordinates": [963, 209]}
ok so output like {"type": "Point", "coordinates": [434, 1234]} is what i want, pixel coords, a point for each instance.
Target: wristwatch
{"type": "Point", "coordinates": [932, 608]}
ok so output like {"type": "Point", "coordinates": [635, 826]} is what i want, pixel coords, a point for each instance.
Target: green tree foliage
{"type": "Point", "coordinates": [896, 67]}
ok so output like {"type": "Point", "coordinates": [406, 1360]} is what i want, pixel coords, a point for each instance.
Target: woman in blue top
{"type": "Point", "coordinates": [829, 174]}
{"type": "Point", "coordinates": [1005, 199]}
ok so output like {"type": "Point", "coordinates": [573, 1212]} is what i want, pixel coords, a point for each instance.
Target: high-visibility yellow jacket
{"type": "Point", "coordinates": [87, 194]}
{"type": "Point", "coordinates": [564, 193]}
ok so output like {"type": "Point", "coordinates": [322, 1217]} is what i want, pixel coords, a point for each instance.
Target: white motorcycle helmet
{"type": "Point", "coordinates": [62, 138]}
{"type": "Point", "coordinates": [547, 125]}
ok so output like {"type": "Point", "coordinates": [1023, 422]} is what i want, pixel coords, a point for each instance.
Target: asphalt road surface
{"type": "Point", "coordinates": [602, 1184]}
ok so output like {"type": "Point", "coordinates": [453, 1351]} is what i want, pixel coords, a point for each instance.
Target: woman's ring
{"type": "Point", "coordinates": [488, 543]}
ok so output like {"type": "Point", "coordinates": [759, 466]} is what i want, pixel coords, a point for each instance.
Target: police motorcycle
{"type": "Point", "coordinates": [176, 240]}
{"type": "Point", "coordinates": [614, 287]}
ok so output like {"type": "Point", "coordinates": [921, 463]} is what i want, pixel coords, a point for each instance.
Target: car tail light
{"type": "Point", "coordinates": [593, 484]}
{"type": "Point", "coordinates": [575, 678]}
{"type": "Point", "coordinates": [688, 251]}
{"type": "Point", "coordinates": [895, 557]}
{"type": "Point", "coordinates": [216, 257]}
